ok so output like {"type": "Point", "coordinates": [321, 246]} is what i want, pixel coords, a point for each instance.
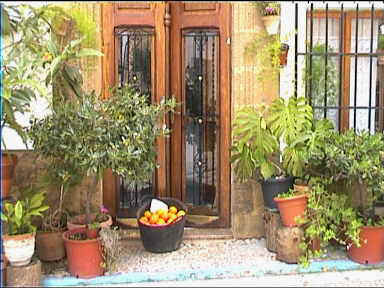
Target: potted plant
{"type": "Point", "coordinates": [292, 206]}
{"type": "Point", "coordinates": [91, 135]}
{"type": "Point", "coordinates": [353, 161]}
{"type": "Point", "coordinates": [258, 133]}
{"type": "Point", "coordinates": [19, 238]}
{"type": "Point", "coordinates": [270, 12]}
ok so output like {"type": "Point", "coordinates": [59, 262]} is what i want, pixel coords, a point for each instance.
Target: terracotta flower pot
{"type": "Point", "coordinates": [92, 233]}
{"type": "Point", "coordinates": [19, 249]}
{"type": "Point", "coordinates": [8, 163]}
{"type": "Point", "coordinates": [290, 208]}
{"type": "Point", "coordinates": [371, 250]}
{"type": "Point", "coordinates": [50, 245]}
{"type": "Point", "coordinates": [80, 220]}
{"type": "Point", "coordinates": [84, 257]}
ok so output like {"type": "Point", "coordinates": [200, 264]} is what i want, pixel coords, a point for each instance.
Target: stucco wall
{"type": "Point", "coordinates": [247, 201]}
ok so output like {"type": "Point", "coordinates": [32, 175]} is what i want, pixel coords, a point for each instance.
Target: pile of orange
{"type": "Point", "coordinates": [162, 216]}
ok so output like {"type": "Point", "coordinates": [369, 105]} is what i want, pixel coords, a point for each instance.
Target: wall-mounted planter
{"type": "Point", "coordinates": [271, 24]}
{"type": "Point", "coordinates": [284, 54]}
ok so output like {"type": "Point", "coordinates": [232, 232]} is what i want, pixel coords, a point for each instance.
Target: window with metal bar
{"type": "Point", "coordinates": [343, 72]}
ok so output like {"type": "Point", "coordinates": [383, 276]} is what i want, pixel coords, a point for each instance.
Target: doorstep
{"type": "Point", "coordinates": [189, 233]}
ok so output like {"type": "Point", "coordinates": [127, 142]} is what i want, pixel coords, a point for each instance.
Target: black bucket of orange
{"type": "Point", "coordinates": [162, 230]}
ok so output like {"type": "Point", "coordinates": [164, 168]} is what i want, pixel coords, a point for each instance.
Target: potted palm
{"type": "Point", "coordinates": [19, 238]}
{"type": "Point", "coordinates": [92, 135]}
{"type": "Point", "coordinates": [258, 134]}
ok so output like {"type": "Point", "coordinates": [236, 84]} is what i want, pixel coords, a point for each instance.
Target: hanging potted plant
{"type": "Point", "coordinates": [270, 13]}
{"type": "Point", "coordinates": [19, 238]}
{"type": "Point", "coordinates": [93, 130]}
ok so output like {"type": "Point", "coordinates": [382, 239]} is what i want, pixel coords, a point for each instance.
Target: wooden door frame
{"type": "Point", "coordinates": [159, 16]}
{"type": "Point", "coordinates": [185, 17]}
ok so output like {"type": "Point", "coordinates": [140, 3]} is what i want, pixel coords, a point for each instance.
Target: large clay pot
{"type": "Point", "coordinates": [19, 249]}
{"type": "Point", "coordinates": [8, 164]}
{"type": "Point", "coordinates": [50, 245]}
{"type": "Point", "coordinates": [80, 220]}
{"type": "Point", "coordinates": [84, 257]}
{"type": "Point", "coordinates": [371, 250]}
{"type": "Point", "coordinates": [290, 208]}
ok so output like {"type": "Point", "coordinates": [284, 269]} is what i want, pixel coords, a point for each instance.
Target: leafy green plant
{"type": "Point", "coordinates": [258, 133]}
{"type": "Point", "coordinates": [315, 80]}
{"type": "Point", "coordinates": [90, 135]}
{"type": "Point", "coordinates": [380, 42]}
{"type": "Point", "coordinates": [29, 59]}
{"type": "Point", "coordinates": [18, 216]}
{"type": "Point", "coordinates": [328, 217]}
{"type": "Point", "coordinates": [290, 193]}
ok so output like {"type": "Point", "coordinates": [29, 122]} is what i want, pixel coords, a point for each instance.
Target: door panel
{"type": "Point", "coordinates": [189, 59]}
{"type": "Point", "coordinates": [200, 131]}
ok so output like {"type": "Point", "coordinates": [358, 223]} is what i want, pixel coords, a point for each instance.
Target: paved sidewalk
{"type": "Point", "coordinates": [371, 278]}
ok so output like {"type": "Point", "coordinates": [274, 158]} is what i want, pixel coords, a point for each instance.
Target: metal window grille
{"type": "Point", "coordinates": [344, 71]}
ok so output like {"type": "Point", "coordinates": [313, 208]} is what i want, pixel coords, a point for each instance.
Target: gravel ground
{"type": "Point", "coordinates": [193, 254]}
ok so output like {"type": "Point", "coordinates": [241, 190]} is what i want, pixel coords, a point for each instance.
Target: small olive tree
{"type": "Point", "coordinates": [89, 135]}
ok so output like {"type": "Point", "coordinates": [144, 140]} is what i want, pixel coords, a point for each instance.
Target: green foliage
{"type": "Point", "coordinates": [290, 193]}
{"type": "Point", "coordinates": [18, 216]}
{"type": "Point", "coordinates": [314, 75]}
{"type": "Point", "coordinates": [380, 42]}
{"type": "Point", "coordinates": [266, 50]}
{"type": "Point", "coordinates": [258, 133]}
{"type": "Point", "coordinates": [31, 54]}
{"type": "Point", "coordinates": [89, 135]}
{"type": "Point", "coordinates": [328, 217]}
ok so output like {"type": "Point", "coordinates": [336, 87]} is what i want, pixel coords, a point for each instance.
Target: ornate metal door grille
{"type": "Point", "coordinates": [134, 50]}
{"type": "Point", "coordinates": [201, 116]}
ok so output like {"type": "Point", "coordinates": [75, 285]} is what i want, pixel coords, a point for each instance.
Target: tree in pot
{"type": "Point", "coordinates": [258, 134]}
{"type": "Point", "coordinates": [19, 239]}
{"type": "Point", "coordinates": [92, 135]}
{"type": "Point", "coordinates": [353, 161]}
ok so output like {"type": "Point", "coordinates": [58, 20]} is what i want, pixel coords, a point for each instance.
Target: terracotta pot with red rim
{"type": "Point", "coordinates": [92, 233]}
{"type": "Point", "coordinates": [371, 250]}
{"type": "Point", "coordinates": [84, 257]}
{"type": "Point", "coordinates": [290, 208]}
{"type": "Point", "coordinates": [80, 221]}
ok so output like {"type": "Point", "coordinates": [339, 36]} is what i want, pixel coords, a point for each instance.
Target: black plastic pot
{"type": "Point", "coordinates": [161, 239]}
{"type": "Point", "coordinates": [271, 187]}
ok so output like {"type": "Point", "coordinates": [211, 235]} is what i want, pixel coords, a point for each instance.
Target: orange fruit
{"type": "Point", "coordinates": [154, 218]}
{"type": "Point", "coordinates": [172, 210]}
{"type": "Point", "coordinates": [161, 212]}
{"type": "Point", "coordinates": [165, 216]}
{"type": "Point", "coordinates": [172, 217]}
{"type": "Point", "coordinates": [147, 214]}
{"type": "Point", "coordinates": [143, 220]}
{"type": "Point", "coordinates": [180, 213]}
{"type": "Point", "coordinates": [160, 221]}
